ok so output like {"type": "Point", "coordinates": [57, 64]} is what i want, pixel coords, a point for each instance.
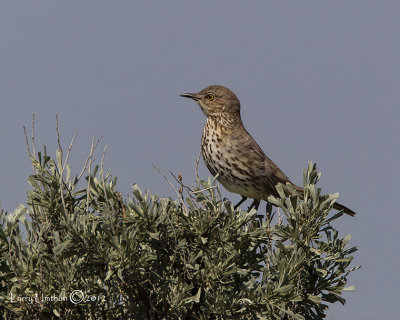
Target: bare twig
{"type": "Point", "coordinates": [198, 183]}
{"type": "Point", "coordinates": [63, 168]}
{"type": "Point", "coordinates": [179, 180]}
{"type": "Point", "coordinates": [176, 191]}
{"type": "Point", "coordinates": [68, 152]}
{"type": "Point", "coordinates": [204, 189]}
{"type": "Point", "coordinates": [33, 136]}
{"type": "Point", "coordinates": [28, 147]}
{"type": "Point", "coordinates": [26, 141]}
{"type": "Point", "coordinates": [58, 137]}
{"type": "Point", "coordinates": [34, 169]}
{"type": "Point", "coordinates": [220, 199]}
{"type": "Point", "coordinates": [89, 177]}
{"type": "Point", "coordinates": [33, 153]}
{"type": "Point", "coordinates": [218, 191]}
{"type": "Point", "coordinates": [88, 158]}
{"type": "Point", "coordinates": [102, 176]}
{"type": "Point", "coordinates": [188, 188]}
{"type": "Point", "coordinates": [197, 170]}
{"type": "Point", "coordinates": [189, 191]}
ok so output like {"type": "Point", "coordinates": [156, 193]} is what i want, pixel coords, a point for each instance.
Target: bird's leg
{"type": "Point", "coordinates": [240, 202]}
{"type": "Point", "coordinates": [254, 204]}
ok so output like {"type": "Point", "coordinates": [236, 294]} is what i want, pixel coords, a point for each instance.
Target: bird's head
{"type": "Point", "coordinates": [216, 100]}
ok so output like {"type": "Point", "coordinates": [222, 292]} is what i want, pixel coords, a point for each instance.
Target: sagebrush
{"type": "Point", "coordinates": [82, 250]}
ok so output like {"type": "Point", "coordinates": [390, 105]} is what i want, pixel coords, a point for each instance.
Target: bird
{"type": "Point", "coordinates": [231, 153]}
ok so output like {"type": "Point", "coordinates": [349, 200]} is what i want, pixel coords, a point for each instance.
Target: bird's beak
{"type": "Point", "coordinates": [193, 96]}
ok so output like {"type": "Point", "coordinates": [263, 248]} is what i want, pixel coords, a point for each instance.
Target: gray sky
{"type": "Point", "coordinates": [317, 80]}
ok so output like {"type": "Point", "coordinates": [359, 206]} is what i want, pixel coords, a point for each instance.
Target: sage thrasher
{"type": "Point", "coordinates": [229, 150]}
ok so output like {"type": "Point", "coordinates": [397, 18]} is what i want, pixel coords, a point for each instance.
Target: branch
{"type": "Point", "coordinates": [63, 168]}
{"type": "Point", "coordinates": [58, 137]}
{"type": "Point", "coordinates": [33, 135]}
{"type": "Point", "coordinates": [102, 176]}
{"type": "Point", "coordinates": [176, 191]}
{"type": "Point", "coordinates": [89, 157]}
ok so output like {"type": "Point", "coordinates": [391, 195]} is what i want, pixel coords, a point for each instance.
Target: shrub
{"type": "Point", "coordinates": [89, 253]}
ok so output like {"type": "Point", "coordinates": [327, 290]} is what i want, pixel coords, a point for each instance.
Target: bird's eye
{"type": "Point", "coordinates": [210, 97]}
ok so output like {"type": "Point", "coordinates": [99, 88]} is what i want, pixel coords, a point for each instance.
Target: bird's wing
{"type": "Point", "coordinates": [262, 169]}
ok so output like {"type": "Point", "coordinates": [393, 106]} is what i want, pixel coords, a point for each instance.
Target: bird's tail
{"type": "Point", "coordinates": [343, 208]}
{"type": "Point", "coordinates": [336, 206]}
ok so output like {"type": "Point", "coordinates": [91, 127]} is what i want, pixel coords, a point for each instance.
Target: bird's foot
{"type": "Point", "coordinates": [255, 204]}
